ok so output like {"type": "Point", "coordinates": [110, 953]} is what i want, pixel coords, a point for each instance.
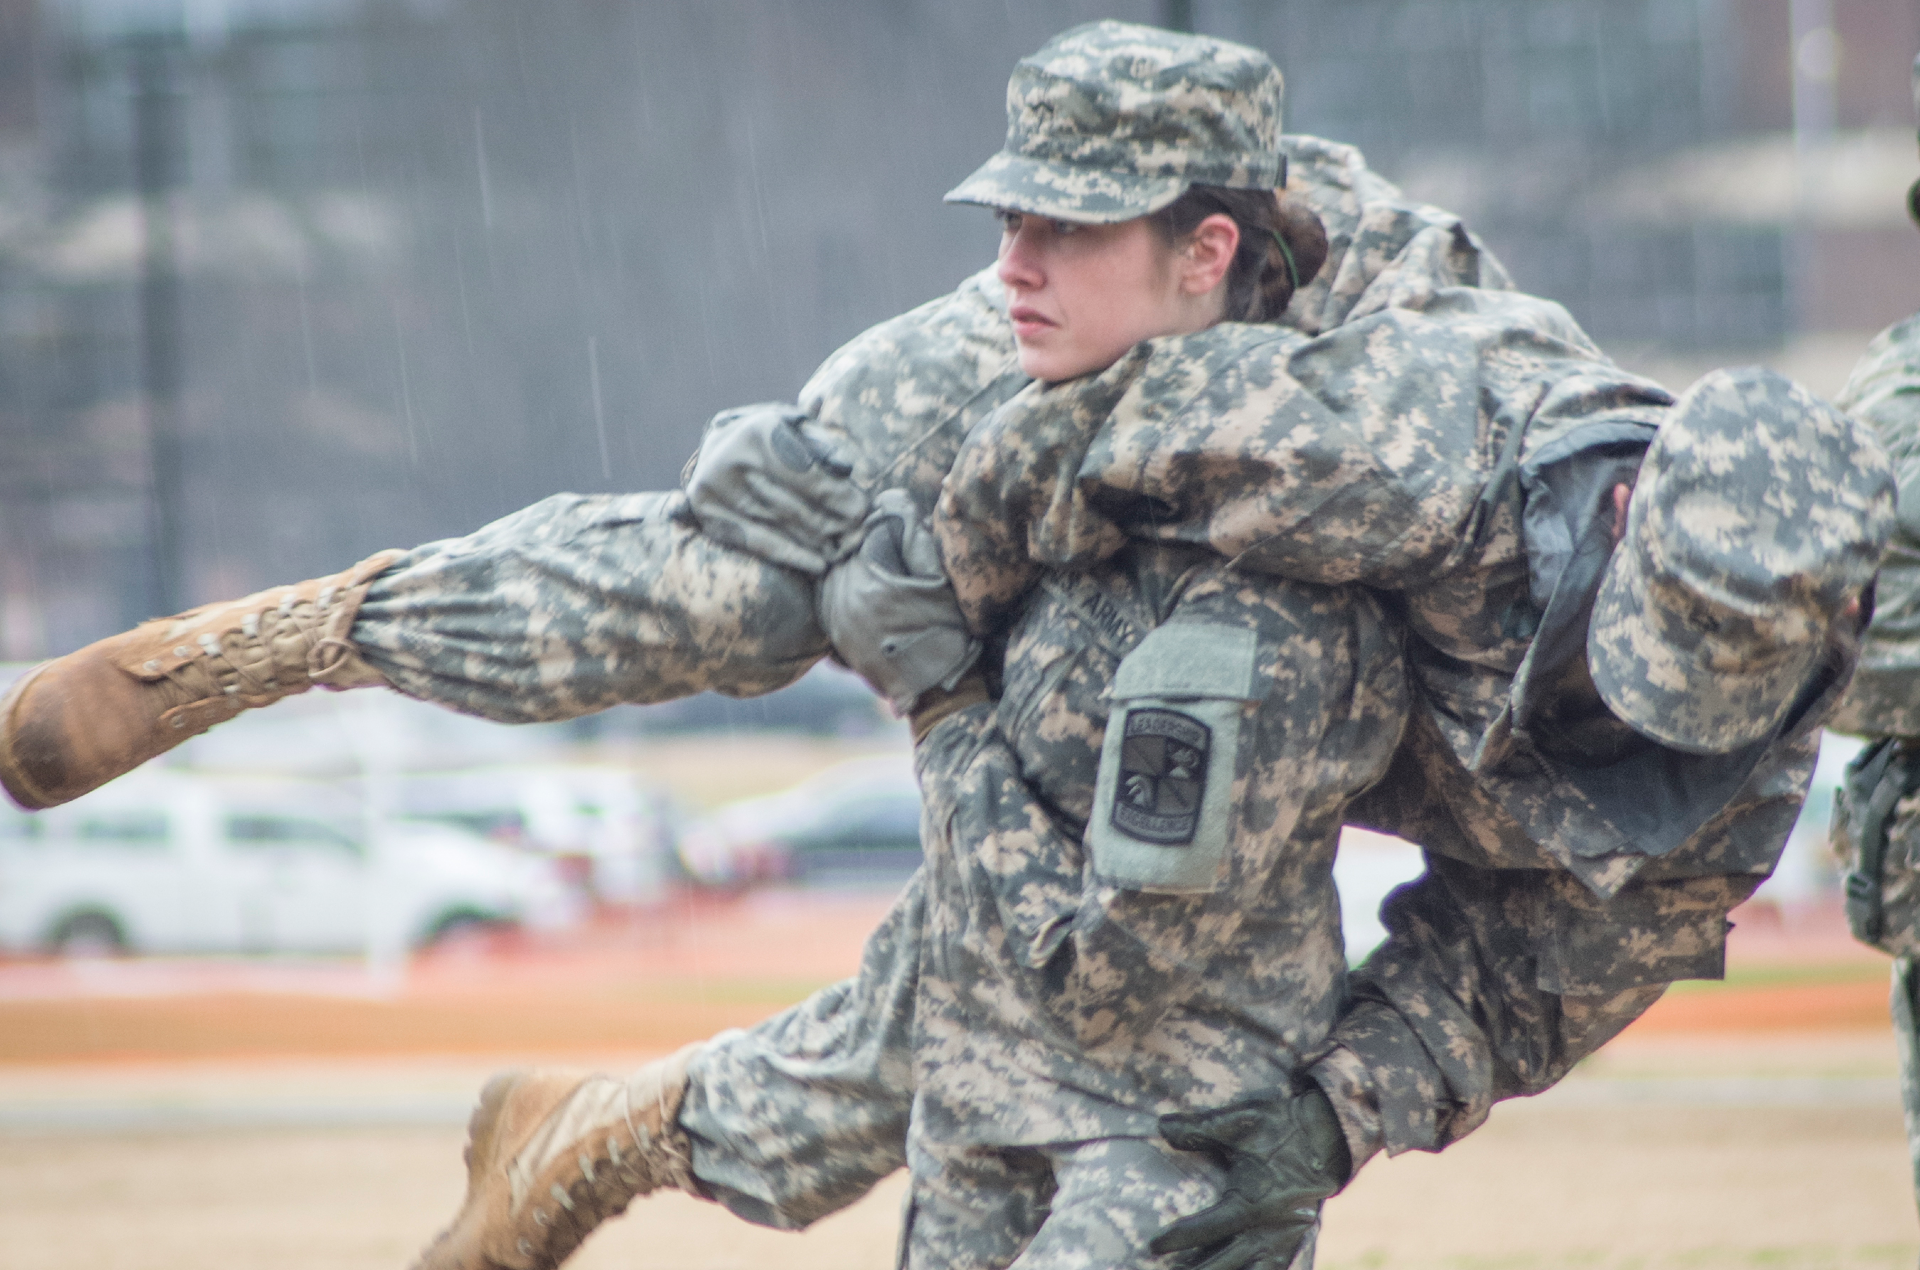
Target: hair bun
{"type": "Point", "coordinates": [1305, 239]}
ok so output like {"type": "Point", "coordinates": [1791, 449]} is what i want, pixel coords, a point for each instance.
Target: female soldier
{"type": "Point", "coordinates": [1203, 744]}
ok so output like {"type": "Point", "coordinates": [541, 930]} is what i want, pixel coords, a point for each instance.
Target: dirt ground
{"type": "Point", "coordinates": [174, 1115]}
{"type": "Point", "coordinates": [1769, 1151]}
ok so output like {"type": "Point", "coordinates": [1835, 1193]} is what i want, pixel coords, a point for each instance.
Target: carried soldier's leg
{"type": "Point", "coordinates": [782, 1123]}
{"type": "Point", "coordinates": [552, 1154]}
{"type": "Point", "coordinates": [800, 1115]}
{"type": "Point", "coordinates": [569, 606]}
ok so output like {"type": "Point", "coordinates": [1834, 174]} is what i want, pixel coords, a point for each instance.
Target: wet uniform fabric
{"type": "Point", "coordinates": [579, 603]}
{"type": "Point", "coordinates": [1880, 847]}
{"type": "Point", "coordinates": [1407, 450]}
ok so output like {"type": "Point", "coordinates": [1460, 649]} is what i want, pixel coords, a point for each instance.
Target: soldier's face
{"type": "Point", "coordinates": [1079, 296]}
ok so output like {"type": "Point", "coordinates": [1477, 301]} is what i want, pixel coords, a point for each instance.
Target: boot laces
{"type": "Point", "coordinates": [608, 1179]}
{"type": "Point", "coordinates": [264, 655]}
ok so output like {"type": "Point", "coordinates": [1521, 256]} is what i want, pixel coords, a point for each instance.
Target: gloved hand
{"type": "Point", "coordinates": [770, 483]}
{"type": "Point", "coordinates": [1283, 1157]}
{"type": "Point", "coordinates": [890, 610]}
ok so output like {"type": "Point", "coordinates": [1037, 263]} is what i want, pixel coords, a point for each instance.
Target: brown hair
{"type": "Point", "coordinates": [1260, 284]}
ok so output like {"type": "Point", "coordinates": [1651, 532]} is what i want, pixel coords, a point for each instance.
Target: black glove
{"type": "Point", "coordinates": [890, 611]}
{"type": "Point", "coordinates": [1283, 1157]}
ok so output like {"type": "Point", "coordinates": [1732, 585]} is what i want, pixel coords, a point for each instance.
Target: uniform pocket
{"type": "Point", "coordinates": [1163, 801]}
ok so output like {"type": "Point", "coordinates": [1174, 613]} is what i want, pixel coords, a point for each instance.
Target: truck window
{"type": "Point", "coordinates": [131, 828]}
{"type": "Point", "coordinates": [289, 831]}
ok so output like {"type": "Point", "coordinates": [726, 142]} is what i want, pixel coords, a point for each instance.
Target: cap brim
{"type": "Point", "coordinates": [1056, 190]}
{"type": "Point", "coordinates": [1656, 672]}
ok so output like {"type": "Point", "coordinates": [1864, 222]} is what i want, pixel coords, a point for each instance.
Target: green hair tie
{"type": "Point", "coordinates": [1286, 254]}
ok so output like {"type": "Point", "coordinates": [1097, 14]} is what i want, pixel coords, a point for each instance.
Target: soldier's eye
{"type": "Point", "coordinates": [1009, 219]}
{"type": "Point", "coordinates": [1064, 227]}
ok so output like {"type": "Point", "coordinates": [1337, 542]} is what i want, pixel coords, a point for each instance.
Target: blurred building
{"type": "Point", "coordinates": [286, 281]}
{"type": "Point", "coordinates": [1695, 174]}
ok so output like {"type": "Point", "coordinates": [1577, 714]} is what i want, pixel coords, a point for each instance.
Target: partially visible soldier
{"type": "Point", "coordinates": [1876, 831]}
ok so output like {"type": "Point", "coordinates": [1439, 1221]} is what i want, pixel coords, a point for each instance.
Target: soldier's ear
{"type": "Point", "coordinates": [1207, 254]}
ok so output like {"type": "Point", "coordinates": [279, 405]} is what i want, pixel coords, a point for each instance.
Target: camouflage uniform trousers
{"type": "Point", "coordinates": [798, 1116]}
{"type": "Point", "coordinates": [1897, 880]}
{"type": "Point", "coordinates": [1074, 1206]}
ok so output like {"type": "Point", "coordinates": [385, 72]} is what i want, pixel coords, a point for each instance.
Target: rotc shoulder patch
{"type": "Point", "coordinates": [1163, 801]}
{"type": "Point", "coordinates": [1163, 774]}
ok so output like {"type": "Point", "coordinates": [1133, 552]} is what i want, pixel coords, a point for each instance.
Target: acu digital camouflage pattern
{"type": "Point", "coordinates": [1402, 450]}
{"type": "Point", "coordinates": [1884, 393]}
{"type": "Point", "coordinates": [799, 1115]}
{"type": "Point", "coordinates": [1076, 1206]}
{"type": "Point", "coordinates": [1057, 1009]}
{"type": "Point", "coordinates": [578, 603]}
{"type": "Point", "coordinates": [581, 602]}
{"type": "Point", "coordinates": [1879, 856]}
{"type": "Point", "coordinates": [1760, 513]}
{"type": "Point", "coordinates": [1365, 455]}
{"type": "Point", "coordinates": [1111, 121]}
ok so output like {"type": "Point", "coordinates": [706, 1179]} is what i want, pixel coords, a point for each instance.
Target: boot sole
{"type": "Point", "coordinates": [461, 1232]}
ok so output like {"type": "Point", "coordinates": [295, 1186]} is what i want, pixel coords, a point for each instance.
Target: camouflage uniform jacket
{"type": "Point", "coordinates": [1458, 449]}
{"type": "Point", "coordinates": [1061, 997]}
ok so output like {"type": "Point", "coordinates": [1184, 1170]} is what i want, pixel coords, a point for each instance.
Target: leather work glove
{"type": "Point", "coordinates": [890, 610]}
{"type": "Point", "coordinates": [770, 483]}
{"type": "Point", "coordinates": [1283, 1157]}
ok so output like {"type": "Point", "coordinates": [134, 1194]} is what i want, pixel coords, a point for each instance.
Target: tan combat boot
{"type": "Point", "coordinates": [551, 1155]}
{"type": "Point", "coordinates": [74, 723]}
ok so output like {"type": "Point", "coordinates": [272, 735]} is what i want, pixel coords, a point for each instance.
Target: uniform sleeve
{"type": "Point", "coordinates": [1884, 393]}
{"type": "Point", "coordinates": [1245, 441]}
{"type": "Point", "coordinates": [578, 603]}
{"type": "Point", "coordinates": [1047, 817]}
{"type": "Point", "coordinates": [1493, 983]}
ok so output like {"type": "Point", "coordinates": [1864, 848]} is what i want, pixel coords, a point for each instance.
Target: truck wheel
{"type": "Point", "coordinates": [88, 934]}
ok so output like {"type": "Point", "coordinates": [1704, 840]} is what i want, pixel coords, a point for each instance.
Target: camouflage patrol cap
{"type": "Point", "coordinates": [1110, 121]}
{"type": "Point", "coordinates": [1760, 512]}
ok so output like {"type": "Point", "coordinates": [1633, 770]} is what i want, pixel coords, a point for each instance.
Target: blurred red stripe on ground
{"type": "Point", "coordinates": [653, 980]}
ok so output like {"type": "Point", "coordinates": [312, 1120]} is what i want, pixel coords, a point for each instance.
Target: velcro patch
{"type": "Point", "coordinates": [1163, 775]}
